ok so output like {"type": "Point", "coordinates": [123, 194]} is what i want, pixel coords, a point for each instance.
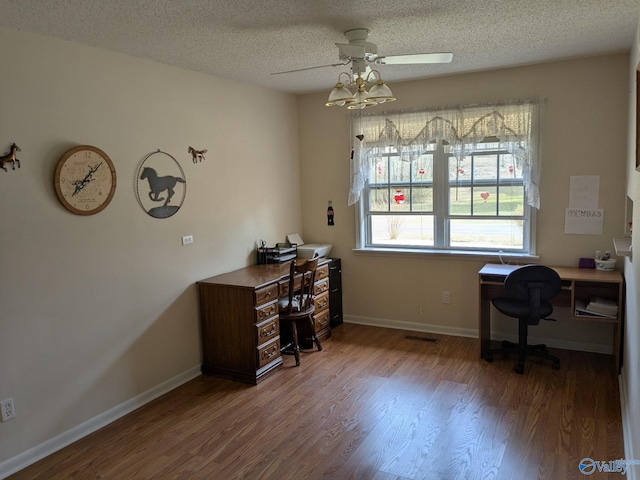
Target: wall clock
{"type": "Point", "coordinates": [85, 180]}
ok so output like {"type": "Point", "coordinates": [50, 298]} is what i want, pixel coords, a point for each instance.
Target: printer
{"type": "Point", "coordinates": [309, 250]}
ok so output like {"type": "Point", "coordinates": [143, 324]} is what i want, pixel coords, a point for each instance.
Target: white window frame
{"type": "Point", "coordinates": [441, 210]}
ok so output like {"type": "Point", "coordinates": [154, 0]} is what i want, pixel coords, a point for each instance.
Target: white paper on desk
{"type": "Point", "coordinates": [584, 191]}
{"type": "Point", "coordinates": [583, 221]}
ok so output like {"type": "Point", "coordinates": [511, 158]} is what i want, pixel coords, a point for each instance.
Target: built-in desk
{"type": "Point", "coordinates": [240, 323]}
{"type": "Point", "coordinates": [577, 283]}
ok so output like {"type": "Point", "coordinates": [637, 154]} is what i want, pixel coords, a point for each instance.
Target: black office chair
{"type": "Point", "coordinates": [528, 290]}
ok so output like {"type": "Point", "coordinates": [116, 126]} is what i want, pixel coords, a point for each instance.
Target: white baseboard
{"type": "Point", "coordinates": [626, 429]}
{"type": "Point", "coordinates": [414, 327]}
{"type": "Point", "coordinates": [28, 457]}
{"type": "Point", "coordinates": [473, 333]}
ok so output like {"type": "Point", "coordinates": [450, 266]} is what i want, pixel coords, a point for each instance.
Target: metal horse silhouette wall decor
{"type": "Point", "coordinates": [160, 180]}
{"type": "Point", "coordinates": [158, 185]}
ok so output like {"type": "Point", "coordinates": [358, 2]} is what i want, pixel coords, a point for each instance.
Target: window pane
{"type": "Point", "coordinates": [422, 169]}
{"type": "Point", "coordinates": [422, 199]}
{"type": "Point", "coordinates": [493, 234]}
{"type": "Point", "coordinates": [402, 230]}
{"type": "Point", "coordinates": [459, 181]}
{"type": "Point", "coordinates": [378, 171]}
{"type": "Point", "coordinates": [509, 169]}
{"type": "Point", "coordinates": [458, 170]}
{"type": "Point", "coordinates": [485, 201]}
{"type": "Point", "coordinates": [400, 170]}
{"type": "Point", "coordinates": [511, 201]}
{"type": "Point", "coordinates": [485, 167]}
{"type": "Point", "coordinates": [379, 199]}
{"type": "Point", "coordinates": [400, 200]}
{"type": "Point", "coordinates": [459, 200]}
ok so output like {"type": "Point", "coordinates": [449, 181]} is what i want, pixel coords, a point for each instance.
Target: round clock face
{"type": "Point", "coordinates": [85, 180]}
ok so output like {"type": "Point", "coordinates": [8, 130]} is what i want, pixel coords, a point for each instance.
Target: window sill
{"type": "Point", "coordinates": [452, 254]}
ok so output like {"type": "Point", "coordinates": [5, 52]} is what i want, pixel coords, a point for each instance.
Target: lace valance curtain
{"type": "Point", "coordinates": [516, 126]}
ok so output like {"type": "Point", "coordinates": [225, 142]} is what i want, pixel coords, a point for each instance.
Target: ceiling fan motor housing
{"type": "Point", "coordinates": [358, 46]}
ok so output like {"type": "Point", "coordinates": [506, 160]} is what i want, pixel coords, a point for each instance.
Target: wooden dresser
{"type": "Point", "coordinates": [322, 316]}
{"type": "Point", "coordinates": [239, 320]}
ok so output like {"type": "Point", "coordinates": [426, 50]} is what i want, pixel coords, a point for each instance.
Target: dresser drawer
{"type": "Point", "coordinates": [321, 287]}
{"type": "Point", "coordinates": [322, 320]}
{"type": "Point", "coordinates": [268, 352]}
{"type": "Point", "coordinates": [266, 294]}
{"type": "Point", "coordinates": [321, 302]}
{"type": "Point", "coordinates": [267, 330]}
{"type": "Point", "coordinates": [322, 272]}
{"type": "Point", "coordinates": [266, 311]}
{"type": "Point", "coordinates": [283, 288]}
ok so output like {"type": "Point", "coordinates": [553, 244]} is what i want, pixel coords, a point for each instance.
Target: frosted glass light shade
{"type": "Point", "coordinates": [340, 95]}
{"type": "Point", "coordinates": [381, 93]}
{"type": "Point", "coordinates": [361, 100]}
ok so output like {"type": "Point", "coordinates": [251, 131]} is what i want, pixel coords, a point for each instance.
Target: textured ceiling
{"type": "Point", "coordinates": [250, 39]}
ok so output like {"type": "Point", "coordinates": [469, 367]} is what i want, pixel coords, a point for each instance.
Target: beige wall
{"type": "Point", "coordinates": [585, 133]}
{"type": "Point", "coordinates": [95, 311]}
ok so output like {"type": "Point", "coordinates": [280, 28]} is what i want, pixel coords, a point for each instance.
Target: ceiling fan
{"type": "Point", "coordinates": [359, 53]}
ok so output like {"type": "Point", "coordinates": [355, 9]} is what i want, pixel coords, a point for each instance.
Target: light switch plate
{"type": "Point", "coordinates": [187, 240]}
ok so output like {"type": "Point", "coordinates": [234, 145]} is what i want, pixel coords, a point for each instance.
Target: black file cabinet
{"type": "Point", "coordinates": [335, 292]}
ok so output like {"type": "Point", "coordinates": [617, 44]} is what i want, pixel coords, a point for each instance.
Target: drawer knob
{"type": "Point", "coordinates": [269, 353]}
{"type": "Point", "coordinates": [267, 333]}
{"type": "Point", "coordinates": [267, 311]}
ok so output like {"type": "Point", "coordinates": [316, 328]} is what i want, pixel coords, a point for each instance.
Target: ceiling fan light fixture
{"type": "Point", "coordinates": [381, 92]}
{"type": "Point", "coordinates": [361, 98]}
{"type": "Point", "coordinates": [339, 96]}
{"type": "Point", "coordinates": [361, 102]}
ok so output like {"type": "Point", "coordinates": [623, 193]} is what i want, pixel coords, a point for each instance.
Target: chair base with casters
{"type": "Point", "coordinates": [528, 288]}
{"type": "Point", "coordinates": [297, 305]}
{"type": "Point", "coordinates": [523, 350]}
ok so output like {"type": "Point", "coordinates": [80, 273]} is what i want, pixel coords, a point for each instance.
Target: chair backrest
{"type": "Point", "coordinates": [541, 281]}
{"type": "Point", "coordinates": [301, 297]}
{"type": "Point", "coordinates": [533, 284]}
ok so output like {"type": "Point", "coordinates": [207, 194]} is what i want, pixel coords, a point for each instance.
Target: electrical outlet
{"type": "Point", "coordinates": [187, 240]}
{"type": "Point", "coordinates": [7, 410]}
{"type": "Point", "coordinates": [446, 297]}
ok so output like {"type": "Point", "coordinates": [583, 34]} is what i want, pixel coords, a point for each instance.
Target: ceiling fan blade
{"type": "Point", "coordinates": [414, 59]}
{"type": "Point", "coordinates": [312, 68]}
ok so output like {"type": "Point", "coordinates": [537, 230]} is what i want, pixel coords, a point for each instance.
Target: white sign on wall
{"type": "Point", "coordinates": [583, 217]}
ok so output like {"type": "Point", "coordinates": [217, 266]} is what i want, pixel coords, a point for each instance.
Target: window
{"type": "Point", "coordinates": [437, 189]}
{"type": "Point", "coordinates": [479, 200]}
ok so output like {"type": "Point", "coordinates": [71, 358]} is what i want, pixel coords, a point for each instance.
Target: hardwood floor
{"type": "Point", "coordinates": [374, 405]}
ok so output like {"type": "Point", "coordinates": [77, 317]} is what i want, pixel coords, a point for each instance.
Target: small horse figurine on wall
{"type": "Point", "coordinates": [10, 157]}
{"type": "Point", "coordinates": [197, 155]}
